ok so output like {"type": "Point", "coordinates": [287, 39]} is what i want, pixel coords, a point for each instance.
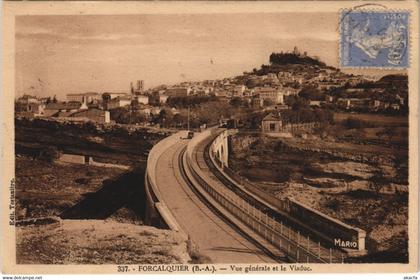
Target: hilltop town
{"type": "Point", "coordinates": [290, 79]}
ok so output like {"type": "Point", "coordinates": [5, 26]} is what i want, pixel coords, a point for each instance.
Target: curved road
{"type": "Point", "coordinates": [209, 232]}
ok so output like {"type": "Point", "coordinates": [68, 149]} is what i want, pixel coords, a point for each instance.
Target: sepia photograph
{"type": "Point", "coordinates": [214, 138]}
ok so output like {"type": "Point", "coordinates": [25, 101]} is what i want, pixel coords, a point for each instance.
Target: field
{"type": "Point", "coordinates": [377, 119]}
{"type": "Point", "coordinates": [45, 189]}
{"type": "Point", "coordinates": [114, 144]}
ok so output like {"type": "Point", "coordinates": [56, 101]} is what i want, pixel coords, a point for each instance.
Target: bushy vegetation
{"type": "Point", "coordinates": [293, 58]}
{"type": "Point", "coordinates": [305, 115]}
{"type": "Point", "coordinates": [127, 115]}
{"type": "Point", "coordinates": [189, 101]}
{"type": "Point", "coordinates": [311, 93]}
{"type": "Point", "coordinates": [49, 154]}
{"type": "Point", "coordinates": [352, 123]}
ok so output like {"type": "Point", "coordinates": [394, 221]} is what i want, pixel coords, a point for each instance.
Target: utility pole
{"type": "Point", "coordinates": [188, 122]}
{"type": "Point", "coordinates": [131, 109]}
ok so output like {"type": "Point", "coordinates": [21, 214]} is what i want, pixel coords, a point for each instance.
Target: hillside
{"type": "Point", "coordinates": [110, 143]}
{"type": "Point", "coordinates": [98, 242]}
{"type": "Point", "coordinates": [293, 62]}
{"type": "Point", "coordinates": [294, 58]}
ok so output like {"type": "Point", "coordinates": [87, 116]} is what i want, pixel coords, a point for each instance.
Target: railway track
{"type": "Point", "coordinates": [219, 213]}
{"type": "Point", "coordinates": [320, 252]}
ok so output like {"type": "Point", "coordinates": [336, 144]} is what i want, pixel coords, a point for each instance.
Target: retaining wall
{"type": "Point", "coordinates": [330, 229]}
{"type": "Point", "coordinates": [298, 247]}
{"type": "Point", "coordinates": [157, 213]}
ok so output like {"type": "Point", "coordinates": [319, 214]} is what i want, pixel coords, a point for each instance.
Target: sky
{"type": "Point", "coordinates": [57, 55]}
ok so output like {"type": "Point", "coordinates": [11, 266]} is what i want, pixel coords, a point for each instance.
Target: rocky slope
{"type": "Point", "coordinates": [98, 242]}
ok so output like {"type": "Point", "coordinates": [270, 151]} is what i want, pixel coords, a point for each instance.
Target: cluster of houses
{"type": "Point", "coordinates": [31, 106]}
{"type": "Point", "coordinates": [369, 104]}
{"type": "Point", "coordinates": [91, 106]}
{"type": "Point", "coordinates": [269, 88]}
{"type": "Point", "coordinates": [229, 88]}
{"type": "Point", "coordinates": [258, 90]}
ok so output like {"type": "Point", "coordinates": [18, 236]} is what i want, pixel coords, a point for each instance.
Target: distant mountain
{"type": "Point", "coordinates": [396, 79]}
{"type": "Point", "coordinates": [395, 83]}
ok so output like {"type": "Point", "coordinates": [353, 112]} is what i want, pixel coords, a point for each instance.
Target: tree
{"type": "Point", "coordinates": [211, 112]}
{"type": "Point", "coordinates": [388, 132]}
{"type": "Point", "coordinates": [294, 58]}
{"type": "Point", "coordinates": [299, 104]}
{"type": "Point", "coordinates": [137, 117]}
{"type": "Point", "coordinates": [165, 118]}
{"type": "Point", "coordinates": [127, 115]}
{"type": "Point", "coordinates": [180, 120]}
{"type": "Point", "coordinates": [188, 101]}
{"type": "Point", "coordinates": [49, 154]}
{"type": "Point", "coordinates": [377, 182]}
{"type": "Point", "coordinates": [154, 99]}
{"type": "Point", "coordinates": [311, 93]}
{"type": "Point", "coordinates": [236, 102]}
{"type": "Point", "coordinates": [268, 102]}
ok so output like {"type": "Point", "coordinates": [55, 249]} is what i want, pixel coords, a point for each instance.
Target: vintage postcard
{"type": "Point", "coordinates": [209, 137]}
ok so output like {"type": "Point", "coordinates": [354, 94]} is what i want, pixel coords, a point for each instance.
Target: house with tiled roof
{"type": "Point", "coordinates": [272, 123]}
{"type": "Point", "coordinates": [54, 109]}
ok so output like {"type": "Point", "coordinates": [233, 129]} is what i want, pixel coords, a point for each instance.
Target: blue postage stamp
{"type": "Point", "coordinates": [374, 39]}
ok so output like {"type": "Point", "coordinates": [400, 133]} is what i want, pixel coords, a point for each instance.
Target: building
{"type": "Point", "coordinates": [271, 94]}
{"type": "Point", "coordinates": [178, 91]}
{"type": "Point", "coordinates": [395, 106]}
{"type": "Point", "coordinates": [354, 103]}
{"type": "Point", "coordinates": [139, 89]}
{"type": "Point", "coordinates": [329, 98]}
{"type": "Point", "coordinates": [238, 91]}
{"type": "Point", "coordinates": [142, 99]}
{"type": "Point", "coordinates": [354, 90]}
{"type": "Point", "coordinates": [33, 109]}
{"type": "Point", "coordinates": [45, 100]}
{"type": "Point", "coordinates": [289, 91]}
{"type": "Point", "coordinates": [375, 105]}
{"type": "Point", "coordinates": [327, 85]}
{"type": "Point", "coordinates": [254, 81]}
{"type": "Point", "coordinates": [256, 103]}
{"type": "Point", "coordinates": [93, 114]}
{"type": "Point", "coordinates": [37, 109]}
{"type": "Point", "coordinates": [112, 95]}
{"type": "Point", "coordinates": [149, 110]}
{"type": "Point", "coordinates": [26, 99]}
{"type": "Point", "coordinates": [220, 93]}
{"type": "Point", "coordinates": [163, 98]}
{"type": "Point", "coordinates": [117, 102]}
{"type": "Point", "coordinates": [88, 97]}
{"type": "Point", "coordinates": [53, 109]}
{"type": "Point", "coordinates": [400, 99]}
{"type": "Point", "coordinates": [272, 123]}
{"type": "Point", "coordinates": [271, 79]}
{"type": "Point", "coordinates": [30, 104]}
{"type": "Point", "coordinates": [315, 103]}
